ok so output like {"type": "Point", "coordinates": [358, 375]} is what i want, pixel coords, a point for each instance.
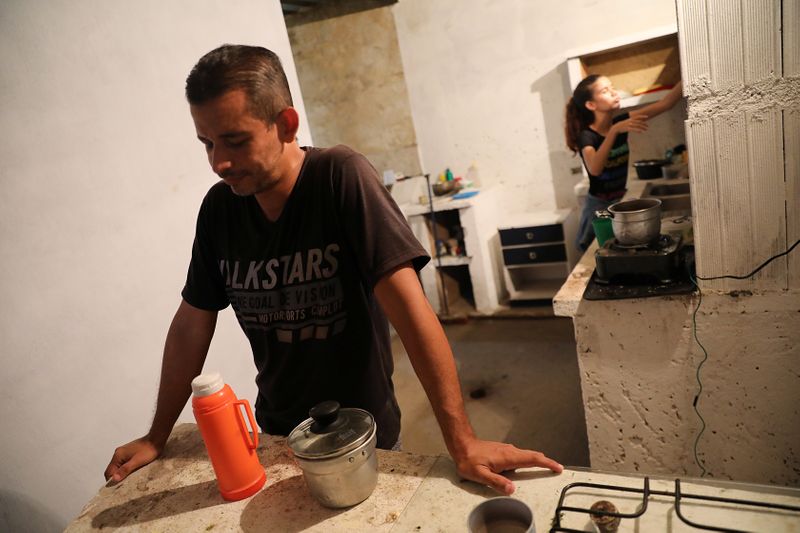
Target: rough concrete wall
{"type": "Point", "coordinates": [638, 361]}
{"type": "Point", "coordinates": [354, 88]}
{"type": "Point", "coordinates": [741, 131]}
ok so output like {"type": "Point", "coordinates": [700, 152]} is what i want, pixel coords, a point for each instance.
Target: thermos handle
{"type": "Point", "coordinates": [251, 443]}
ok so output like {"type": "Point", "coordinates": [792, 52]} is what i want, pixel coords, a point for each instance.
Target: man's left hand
{"type": "Point", "coordinates": [483, 461]}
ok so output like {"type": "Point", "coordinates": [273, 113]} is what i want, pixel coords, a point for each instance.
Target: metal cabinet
{"type": "Point", "coordinates": [533, 235]}
{"type": "Point", "coordinates": [538, 255]}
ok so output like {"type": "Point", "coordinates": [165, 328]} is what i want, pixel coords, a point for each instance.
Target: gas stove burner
{"type": "Point", "coordinates": [682, 502]}
{"type": "Point", "coordinates": [662, 242]}
{"type": "Point", "coordinates": [639, 246]}
{"type": "Point", "coordinates": [656, 262]}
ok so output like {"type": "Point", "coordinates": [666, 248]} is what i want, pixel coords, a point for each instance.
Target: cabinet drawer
{"type": "Point", "coordinates": [534, 254]}
{"type": "Point", "coordinates": [532, 235]}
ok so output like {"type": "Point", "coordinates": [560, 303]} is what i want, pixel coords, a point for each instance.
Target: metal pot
{"type": "Point", "coordinates": [648, 169]}
{"type": "Point", "coordinates": [636, 221]}
{"type": "Point", "coordinates": [335, 448]}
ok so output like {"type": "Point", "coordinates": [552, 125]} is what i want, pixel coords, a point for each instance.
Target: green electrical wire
{"type": "Point", "coordinates": [697, 375]}
{"type": "Point", "coordinates": [705, 353]}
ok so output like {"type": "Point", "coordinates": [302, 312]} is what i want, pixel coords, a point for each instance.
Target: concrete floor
{"type": "Point", "coordinates": [520, 383]}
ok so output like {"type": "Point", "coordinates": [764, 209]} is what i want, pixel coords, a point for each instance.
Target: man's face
{"type": "Point", "coordinates": [242, 149]}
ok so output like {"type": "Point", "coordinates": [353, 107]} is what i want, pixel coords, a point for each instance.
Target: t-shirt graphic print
{"type": "Point", "coordinates": [296, 296]}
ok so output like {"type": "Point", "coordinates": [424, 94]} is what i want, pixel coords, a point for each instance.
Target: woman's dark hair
{"type": "Point", "coordinates": [253, 69]}
{"type": "Point", "coordinates": [578, 117]}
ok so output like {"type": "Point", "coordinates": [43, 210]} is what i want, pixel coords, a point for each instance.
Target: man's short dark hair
{"type": "Point", "coordinates": [253, 69]}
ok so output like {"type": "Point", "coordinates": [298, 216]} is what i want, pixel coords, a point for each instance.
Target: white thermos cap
{"type": "Point", "coordinates": [207, 384]}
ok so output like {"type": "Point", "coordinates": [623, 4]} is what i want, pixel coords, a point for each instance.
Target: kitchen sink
{"type": "Point", "coordinates": [675, 197]}
{"type": "Point", "coordinates": [668, 189]}
{"type": "Point", "coordinates": [676, 203]}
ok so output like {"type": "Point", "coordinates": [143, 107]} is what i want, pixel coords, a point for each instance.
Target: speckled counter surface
{"type": "Point", "coordinates": [415, 493]}
{"type": "Point", "coordinates": [443, 502]}
{"type": "Point", "coordinates": [178, 493]}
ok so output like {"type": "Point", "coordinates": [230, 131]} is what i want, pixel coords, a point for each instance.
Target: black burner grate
{"type": "Point", "coordinates": [646, 492]}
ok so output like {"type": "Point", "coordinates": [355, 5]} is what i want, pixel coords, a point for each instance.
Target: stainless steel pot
{"type": "Point", "coordinates": [335, 448]}
{"type": "Point", "coordinates": [636, 221]}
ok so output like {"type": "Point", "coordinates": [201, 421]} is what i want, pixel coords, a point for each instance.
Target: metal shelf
{"type": "Point", "coordinates": [452, 260]}
{"type": "Point", "coordinates": [536, 265]}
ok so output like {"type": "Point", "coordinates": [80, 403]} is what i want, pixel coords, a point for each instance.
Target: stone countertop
{"type": "Point", "coordinates": [179, 493]}
{"type": "Point", "coordinates": [443, 502]}
{"type": "Point", "coordinates": [566, 301]}
{"type": "Point", "coordinates": [415, 493]}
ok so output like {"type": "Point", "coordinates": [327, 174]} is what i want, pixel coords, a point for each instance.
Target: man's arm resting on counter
{"type": "Point", "coordinates": [185, 352]}
{"type": "Point", "coordinates": [401, 297]}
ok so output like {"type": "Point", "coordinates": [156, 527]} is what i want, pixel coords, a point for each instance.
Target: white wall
{"type": "Point", "coordinates": [487, 83]}
{"type": "Point", "coordinates": [101, 178]}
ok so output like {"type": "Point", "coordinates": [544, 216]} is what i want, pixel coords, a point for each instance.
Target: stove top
{"type": "Point", "coordinates": [663, 244]}
{"type": "Point", "coordinates": [687, 506]}
{"type": "Point", "coordinates": [658, 260]}
{"type": "Point", "coordinates": [658, 268]}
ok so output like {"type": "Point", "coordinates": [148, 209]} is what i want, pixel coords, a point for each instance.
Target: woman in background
{"type": "Point", "coordinates": [601, 139]}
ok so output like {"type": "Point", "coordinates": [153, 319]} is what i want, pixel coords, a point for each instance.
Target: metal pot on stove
{"type": "Point", "coordinates": [636, 221]}
{"type": "Point", "coordinates": [335, 448]}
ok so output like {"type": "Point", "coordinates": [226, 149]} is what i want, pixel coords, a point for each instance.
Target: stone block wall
{"type": "Point", "coordinates": [639, 362]}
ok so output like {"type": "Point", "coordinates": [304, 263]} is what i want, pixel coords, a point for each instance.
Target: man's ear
{"type": "Point", "coordinates": [288, 122]}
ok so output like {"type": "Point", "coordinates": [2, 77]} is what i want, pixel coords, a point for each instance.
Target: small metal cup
{"type": "Point", "coordinates": [502, 514]}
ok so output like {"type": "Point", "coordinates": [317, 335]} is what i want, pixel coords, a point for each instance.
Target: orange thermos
{"type": "Point", "coordinates": [231, 449]}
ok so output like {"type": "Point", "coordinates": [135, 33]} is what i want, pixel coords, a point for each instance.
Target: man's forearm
{"type": "Point", "coordinates": [185, 352]}
{"type": "Point", "coordinates": [433, 362]}
{"type": "Point", "coordinates": [401, 297]}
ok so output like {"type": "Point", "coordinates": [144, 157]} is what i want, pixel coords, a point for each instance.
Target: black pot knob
{"type": "Point", "coordinates": [324, 415]}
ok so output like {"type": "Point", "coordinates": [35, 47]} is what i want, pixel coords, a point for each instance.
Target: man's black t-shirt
{"type": "Point", "coordinates": [302, 287]}
{"type": "Point", "coordinates": [615, 173]}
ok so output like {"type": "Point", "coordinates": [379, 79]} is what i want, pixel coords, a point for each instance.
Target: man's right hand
{"type": "Point", "coordinates": [130, 457]}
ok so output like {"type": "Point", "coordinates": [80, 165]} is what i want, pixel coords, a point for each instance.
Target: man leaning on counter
{"type": "Point", "coordinates": [314, 256]}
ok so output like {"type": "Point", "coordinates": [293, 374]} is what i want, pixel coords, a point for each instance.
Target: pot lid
{"type": "Point", "coordinates": [331, 431]}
